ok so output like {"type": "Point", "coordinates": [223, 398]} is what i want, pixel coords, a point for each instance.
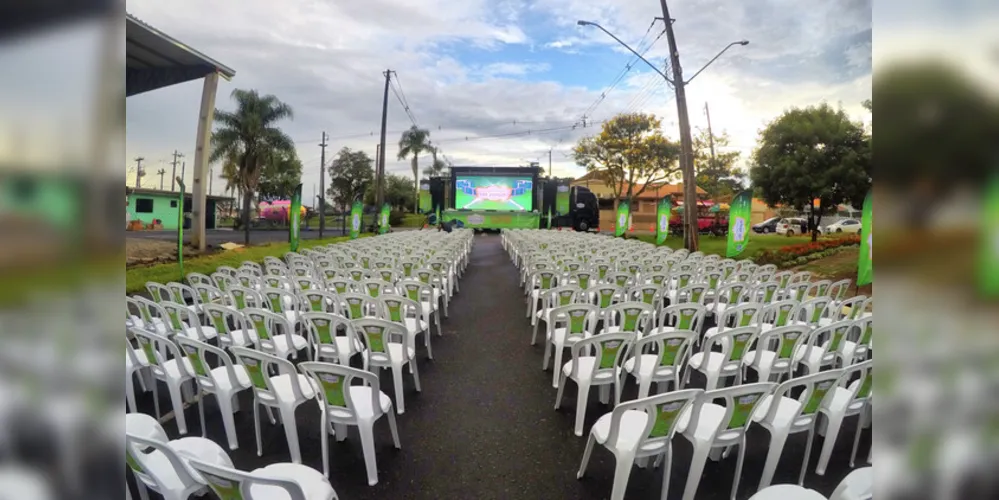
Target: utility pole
{"type": "Point", "coordinates": [686, 145]}
{"type": "Point", "coordinates": [322, 186]}
{"type": "Point", "coordinates": [161, 172]}
{"type": "Point", "coordinates": [380, 161]}
{"type": "Point", "coordinates": [711, 135]}
{"type": "Point", "coordinates": [183, 167]}
{"type": "Point", "coordinates": [173, 175]}
{"type": "Point", "coordinates": [211, 178]}
{"type": "Point", "coordinates": [139, 172]}
{"type": "Point", "coordinates": [549, 162]}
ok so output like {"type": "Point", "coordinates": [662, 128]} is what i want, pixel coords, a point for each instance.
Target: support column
{"type": "Point", "coordinates": [201, 152]}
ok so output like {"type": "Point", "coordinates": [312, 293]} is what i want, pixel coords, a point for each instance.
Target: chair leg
{"type": "Point", "coordinates": [228, 419]}
{"type": "Point", "coordinates": [178, 407]}
{"type": "Point", "coordinates": [581, 399]}
{"type": "Point", "coordinates": [130, 392]}
{"type": "Point", "coordinates": [586, 457]}
{"type": "Point", "coordinates": [430, 350]}
{"type": "Point", "coordinates": [777, 440]}
{"type": "Point", "coordinates": [340, 431]}
{"type": "Point", "coordinates": [644, 383]}
{"type": "Point", "coordinates": [395, 429]}
{"type": "Point", "coordinates": [548, 353]}
{"type": "Point", "coordinates": [291, 432]}
{"type": "Point", "coordinates": [832, 431]}
{"type": "Point", "coordinates": [156, 397]}
{"type": "Point", "coordinates": [667, 466]}
{"type": "Point", "coordinates": [416, 375]}
{"type": "Point", "coordinates": [400, 404]}
{"type": "Point", "coordinates": [808, 455]}
{"type": "Point", "coordinates": [201, 410]}
{"type": "Point", "coordinates": [738, 466]}
{"type": "Point", "coordinates": [622, 471]}
{"type": "Point", "coordinates": [368, 445]}
{"type": "Point", "coordinates": [557, 369]}
{"type": "Point", "coordinates": [558, 394]}
{"type": "Point", "coordinates": [437, 315]}
{"type": "Point", "coordinates": [256, 424]}
{"type": "Point", "coordinates": [697, 462]}
{"type": "Point", "coordinates": [856, 437]}
{"type": "Point", "coordinates": [324, 440]}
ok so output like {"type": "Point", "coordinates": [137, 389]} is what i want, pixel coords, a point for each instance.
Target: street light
{"type": "Point", "coordinates": [686, 146]}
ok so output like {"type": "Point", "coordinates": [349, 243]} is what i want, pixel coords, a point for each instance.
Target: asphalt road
{"type": "Point", "coordinates": [484, 426]}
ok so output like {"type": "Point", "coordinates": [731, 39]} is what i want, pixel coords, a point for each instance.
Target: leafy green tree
{"type": "Point", "coordinates": [350, 173]}
{"type": "Point", "coordinates": [630, 155]}
{"type": "Point", "coordinates": [398, 192]}
{"type": "Point", "coordinates": [812, 154]}
{"type": "Point", "coordinates": [413, 143]}
{"type": "Point", "coordinates": [716, 174]}
{"type": "Point", "coordinates": [281, 175]}
{"type": "Point", "coordinates": [250, 136]}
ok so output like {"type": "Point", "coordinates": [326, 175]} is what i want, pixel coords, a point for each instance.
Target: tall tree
{"type": "Point", "coordinates": [813, 154]}
{"type": "Point", "coordinates": [250, 134]}
{"type": "Point", "coordinates": [413, 143]}
{"type": "Point", "coordinates": [630, 155]}
{"type": "Point", "coordinates": [398, 192]}
{"type": "Point", "coordinates": [230, 174]}
{"type": "Point", "coordinates": [280, 175]}
{"type": "Point", "coordinates": [716, 174]}
{"type": "Point", "coordinates": [350, 173]}
{"type": "Point", "coordinates": [439, 168]}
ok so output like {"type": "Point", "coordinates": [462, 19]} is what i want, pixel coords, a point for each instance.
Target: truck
{"type": "Point", "coordinates": [584, 211]}
{"type": "Point", "coordinates": [708, 221]}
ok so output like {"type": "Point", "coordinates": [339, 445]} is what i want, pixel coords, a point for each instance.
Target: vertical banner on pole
{"type": "Point", "coordinates": [865, 265]}
{"type": "Point", "coordinates": [295, 218]}
{"type": "Point", "coordinates": [623, 217]}
{"type": "Point", "coordinates": [383, 219]}
{"type": "Point", "coordinates": [549, 218]}
{"type": "Point", "coordinates": [180, 226]}
{"type": "Point", "coordinates": [355, 219]}
{"type": "Point", "coordinates": [562, 199]}
{"type": "Point", "coordinates": [988, 269]}
{"type": "Point", "coordinates": [425, 199]}
{"type": "Point", "coordinates": [738, 223]}
{"type": "Point", "coordinates": [663, 209]}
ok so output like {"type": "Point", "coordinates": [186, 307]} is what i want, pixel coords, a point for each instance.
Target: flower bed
{"type": "Point", "coordinates": [794, 255]}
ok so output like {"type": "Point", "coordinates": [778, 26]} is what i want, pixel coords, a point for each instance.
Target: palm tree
{"type": "Point", "coordinates": [413, 142]}
{"type": "Point", "coordinates": [230, 174]}
{"type": "Point", "coordinates": [249, 135]}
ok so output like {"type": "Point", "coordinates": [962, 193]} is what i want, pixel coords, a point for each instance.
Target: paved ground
{"type": "Point", "coordinates": [484, 426]}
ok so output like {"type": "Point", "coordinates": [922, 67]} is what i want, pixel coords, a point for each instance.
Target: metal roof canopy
{"type": "Point", "coordinates": [155, 60]}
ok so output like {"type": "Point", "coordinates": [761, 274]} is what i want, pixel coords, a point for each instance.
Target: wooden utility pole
{"type": "Point", "coordinates": [549, 162]}
{"type": "Point", "coordinates": [711, 135]}
{"type": "Point", "coordinates": [686, 144]}
{"type": "Point", "coordinates": [173, 175]}
{"type": "Point", "coordinates": [322, 186]}
{"type": "Point", "coordinates": [139, 172]}
{"type": "Point", "coordinates": [380, 160]}
{"type": "Point", "coordinates": [161, 172]}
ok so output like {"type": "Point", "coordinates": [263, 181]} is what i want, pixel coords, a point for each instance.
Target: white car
{"type": "Point", "coordinates": [843, 226]}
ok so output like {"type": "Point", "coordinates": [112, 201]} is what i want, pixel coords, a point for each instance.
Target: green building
{"type": "Point", "coordinates": [149, 205]}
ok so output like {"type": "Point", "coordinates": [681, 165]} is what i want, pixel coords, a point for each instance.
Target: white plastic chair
{"type": "Point", "coordinates": [773, 351]}
{"type": "Point", "coordinates": [638, 429]}
{"type": "Point", "coordinates": [388, 345]}
{"type": "Point", "coordinates": [634, 317]}
{"type": "Point", "coordinates": [857, 485]}
{"type": "Point", "coordinates": [787, 492]}
{"type": "Point", "coordinates": [568, 325]}
{"type": "Point", "coordinates": [343, 403]}
{"type": "Point", "coordinates": [225, 382]}
{"type": "Point", "coordinates": [408, 312]}
{"type": "Point", "coordinates": [165, 469]}
{"type": "Point", "coordinates": [782, 415]}
{"type": "Point", "coordinates": [275, 334]}
{"type": "Point", "coordinates": [322, 329]}
{"type": "Point", "coordinates": [165, 362]}
{"type": "Point", "coordinates": [726, 362]}
{"type": "Point", "coordinates": [240, 334]}
{"type": "Point", "coordinates": [596, 361]}
{"type": "Point", "coordinates": [280, 481]}
{"type": "Point", "coordinates": [689, 316]}
{"type": "Point", "coordinates": [659, 358]}
{"type": "Point", "coordinates": [845, 400]}
{"type": "Point", "coordinates": [285, 391]}
{"type": "Point", "coordinates": [717, 426]}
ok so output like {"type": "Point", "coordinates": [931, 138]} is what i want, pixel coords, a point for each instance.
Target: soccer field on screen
{"type": "Point", "coordinates": [494, 193]}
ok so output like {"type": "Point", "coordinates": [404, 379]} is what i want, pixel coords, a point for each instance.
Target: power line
{"type": "Point", "coordinates": [521, 133]}
{"type": "Point", "coordinates": [405, 102]}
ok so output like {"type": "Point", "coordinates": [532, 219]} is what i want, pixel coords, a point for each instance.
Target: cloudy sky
{"type": "Point", "coordinates": [478, 69]}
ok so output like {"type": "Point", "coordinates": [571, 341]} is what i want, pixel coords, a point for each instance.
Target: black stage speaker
{"type": "Point", "coordinates": [436, 194]}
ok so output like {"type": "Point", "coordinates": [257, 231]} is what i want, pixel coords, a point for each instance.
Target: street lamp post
{"type": "Point", "coordinates": [686, 144]}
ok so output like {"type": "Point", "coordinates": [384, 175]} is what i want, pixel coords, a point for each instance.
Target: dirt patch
{"type": "Point", "coordinates": [146, 251]}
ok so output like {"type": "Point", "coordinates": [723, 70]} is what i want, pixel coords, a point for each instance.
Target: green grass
{"type": "Point", "coordinates": [413, 220]}
{"type": "Point", "coordinates": [136, 277]}
{"type": "Point", "coordinates": [718, 244]}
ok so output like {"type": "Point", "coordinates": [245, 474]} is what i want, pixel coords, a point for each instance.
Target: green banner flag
{"type": "Point", "coordinates": [549, 218]}
{"type": "Point", "coordinates": [865, 265]}
{"type": "Point", "coordinates": [739, 214]}
{"type": "Point", "coordinates": [295, 218]}
{"type": "Point", "coordinates": [988, 273]}
{"type": "Point", "coordinates": [356, 210]}
{"type": "Point", "coordinates": [383, 219]}
{"type": "Point", "coordinates": [180, 226]}
{"type": "Point", "coordinates": [425, 200]}
{"type": "Point", "coordinates": [623, 218]}
{"type": "Point", "coordinates": [663, 215]}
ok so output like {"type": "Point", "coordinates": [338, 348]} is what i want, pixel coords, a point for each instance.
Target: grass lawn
{"type": "Point", "coordinates": [136, 277]}
{"type": "Point", "coordinates": [717, 244]}
{"type": "Point", "coordinates": [413, 220]}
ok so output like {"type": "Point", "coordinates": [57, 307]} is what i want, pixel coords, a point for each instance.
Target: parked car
{"type": "Point", "coordinates": [843, 226]}
{"type": "Point", "coordinates": [792, 226]}
{"type": "Point", "coordinates": [767, 226]}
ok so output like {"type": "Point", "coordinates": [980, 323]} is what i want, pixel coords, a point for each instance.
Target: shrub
{"type": "Point", "coordinates": [793, 255]}
{"type": "Point", "coordinates": [396, 217]}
